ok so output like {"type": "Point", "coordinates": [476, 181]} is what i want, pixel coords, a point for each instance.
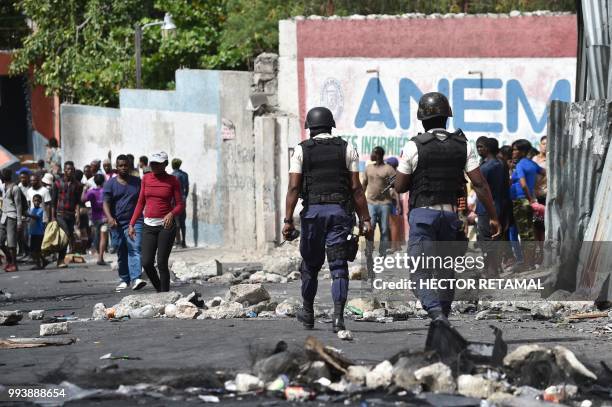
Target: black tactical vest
{"type": "Point", "coordinates": [438, 178]}
{"type": "Point", "coordinates": [325, 176]}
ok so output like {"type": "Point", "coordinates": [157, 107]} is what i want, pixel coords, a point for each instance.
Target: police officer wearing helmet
{"type": "Point", "coordinates": [324, 172]}
{"type": "Point", "coordinates": [432, 167]}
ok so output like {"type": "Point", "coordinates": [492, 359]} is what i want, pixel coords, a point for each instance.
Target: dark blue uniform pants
{"type": "Point", "coordinates": [426, 227]}
{"type": "Point", "coordinates": [323, 226]}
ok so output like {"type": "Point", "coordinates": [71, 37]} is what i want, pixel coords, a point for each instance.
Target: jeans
{"type": "Point", "coordinates": [128, 252]}
{"type": "Point", "coordinates": [323, 226]}
{"type": "Point", "coordinates": [157, 239]}
{"type": "Point", "coordinates": [428, 226]}
{"type": "Point", "coordinates": [380, 216]}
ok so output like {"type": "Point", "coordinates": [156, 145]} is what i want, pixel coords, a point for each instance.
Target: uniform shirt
{"type": "Point", "coordinates": [524, 169]}
{"type": "Point", "coordinates": [375, 181]}
{"type": "Point", "coordinates": [410, 155]}
{"type": "Point", "coordinates": [352, 157]}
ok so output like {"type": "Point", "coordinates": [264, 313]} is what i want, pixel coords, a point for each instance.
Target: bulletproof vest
{"type": "Point", "coordinates": [325, 176]}
{"type": "Point", "coordinates": [438, 178]}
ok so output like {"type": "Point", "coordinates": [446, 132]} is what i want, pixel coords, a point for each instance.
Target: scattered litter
{"type": "Point", "coordinates": [279, 383]}
{"type": "Point", "coordinates": [109, 356]}
{"type": "Point", "coordinates": [71, 281]}
{"type": "Point", "coordinates": [20, 343]}
{"type": "Point", "coordinates": [298, 393]}
{"type": "Point", "coordinates": [345, 335]}
{"type": "Point", "coordinates": [209, 398]}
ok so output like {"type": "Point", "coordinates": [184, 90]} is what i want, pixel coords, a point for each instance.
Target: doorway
{"type": "Point", "coordinates": [14, 129]}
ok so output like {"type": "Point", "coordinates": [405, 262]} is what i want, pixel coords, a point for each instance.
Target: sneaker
{"type": "Point", "coordinates": [122, 286]}
{"type": "Point", "coordinates": [138, 284]}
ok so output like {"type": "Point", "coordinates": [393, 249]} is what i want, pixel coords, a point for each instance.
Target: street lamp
{"type": "Point", "coordinates": [167, 26]}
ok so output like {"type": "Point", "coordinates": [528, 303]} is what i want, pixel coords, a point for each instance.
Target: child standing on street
{"type": "Point", "coordinates": [37, 231]}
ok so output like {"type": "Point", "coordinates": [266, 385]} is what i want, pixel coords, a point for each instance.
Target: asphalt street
{"type": "Point", "coordinates": [170, 349]}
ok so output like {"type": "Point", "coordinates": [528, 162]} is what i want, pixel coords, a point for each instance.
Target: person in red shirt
{"type": "Point", "coordinates": [161, 199]}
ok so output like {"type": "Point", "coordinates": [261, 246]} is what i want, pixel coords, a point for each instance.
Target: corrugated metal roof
{"type": "Point", "coordinates": [597, 19]}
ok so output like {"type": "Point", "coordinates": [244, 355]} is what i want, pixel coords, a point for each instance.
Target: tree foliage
{"type": "Point", "coordinates": [83, 50]}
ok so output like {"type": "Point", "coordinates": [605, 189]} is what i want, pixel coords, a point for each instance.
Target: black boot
{"type": "Point", "coordinates": [338, 321]}
{"type": "Point", "coordinates": [306, 315]}
{"type": "Point", "coordinates": [437, 314]}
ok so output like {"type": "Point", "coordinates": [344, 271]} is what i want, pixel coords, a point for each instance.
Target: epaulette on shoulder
{"type": "Point", "coordinates": [459, 135]}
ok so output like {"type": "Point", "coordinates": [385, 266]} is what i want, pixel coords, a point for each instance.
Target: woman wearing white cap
{"type": "Point", "coordinates": [161, 199]}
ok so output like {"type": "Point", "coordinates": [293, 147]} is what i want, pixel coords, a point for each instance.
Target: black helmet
{"type": "Point", "coordinates": [433, 104]}
{"type": "Point", "coordinates": [319, 117]}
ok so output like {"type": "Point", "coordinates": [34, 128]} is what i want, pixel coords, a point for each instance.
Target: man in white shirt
{"type": "Point", "coordinates": [324, 172]}
{"type": "Point", "coordinates": [432, 167]}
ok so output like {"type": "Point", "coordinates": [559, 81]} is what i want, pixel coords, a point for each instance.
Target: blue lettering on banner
{"type": "Point", "coordinates": [515, 95]}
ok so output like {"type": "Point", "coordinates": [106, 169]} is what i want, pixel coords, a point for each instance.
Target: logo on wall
{"type": "Point", "coordinates": [332, 97]}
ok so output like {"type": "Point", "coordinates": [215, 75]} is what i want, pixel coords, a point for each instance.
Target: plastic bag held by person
{"type": "Point", "coordinates": [54, 239]}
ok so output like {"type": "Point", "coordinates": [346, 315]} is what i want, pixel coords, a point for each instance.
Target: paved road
{"type": "Point", "coordinates": [174, 351]}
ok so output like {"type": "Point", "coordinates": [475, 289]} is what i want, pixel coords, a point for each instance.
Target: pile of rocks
{"type": "Point", "coordinates": [321, 373]}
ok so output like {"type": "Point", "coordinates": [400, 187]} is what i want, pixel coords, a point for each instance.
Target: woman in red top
{"type": "Point", "coordinates": [160, 197]}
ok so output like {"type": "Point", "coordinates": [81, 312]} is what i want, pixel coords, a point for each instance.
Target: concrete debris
{"type": "Point", "coordinates": [287, 308]}
{"type": "Point", "coordinates": [544, 310]}
{"type": "Point", "coordinates": [283, 265]}
{"type": "Point", "coordinates": [226, 310]}
{"type": "Point", "coordinates": [10, 317]}
{"type": "Point", "coordinates": [345, 335]}
{"type": "Point", "coordinates": [273, 366]}
{"type": "Point", "coordinates": [357, 374]}
{"type": "Point", "coordinates": [186, 310]}
{"type": "Point", "coordinates": [195, 298]}
{"type": "Point", "coordinates": [374, 315]}
{"type": "Point", "coordinates": [316, 370]}
{"type": "Point", "coordinates": [170, 310]}
{"type": "Point", "coordinates": [568, 362]}
{"type": "Point", "coordinates": [528, 391]}
{"type": "Point", "coordinates": [194, 271]}
{"type": "Point", "coordinates": [294, 275]}
{"type": "Point", "coordinates": [247, 293]}
{"type": "Point", "coordinates": [246, 382]}
{"type": "Point", "coordinates": [36, 314]}
{"type": "Point", "coordinates": [403, 374]}
{"type": "Point", "coordinates": [437, 378]}
{"type": "Point", "coordinates": [357, 272]}
{"type": "Point", "coordinates": [477, 386]}
{"type": "Point", "coordinates": [25, 343]}
{"type": "Point", "coordinates": [58, 328]}
{"type": "Point", "coordinates": [147, 311]}
{"type": "Point", "coordinates": [258, 277]}
{"type": "Point", "coordinates": [5, 296]}
{"type": "Point", "coordinates": [157, 300]}
{"type": "Point", "coordinates": [222, 279]}
{"type": "Point", "coordinates": [380, 376]}
{"type": "Point", "coordinates": [99, 312]}
{"type": "Point", "coordinates": [364, 304]}
{"type": "Point", "coordinates": [215, 302]}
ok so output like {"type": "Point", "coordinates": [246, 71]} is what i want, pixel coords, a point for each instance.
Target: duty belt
{"type": "Point", "coordinates": [441, 207]}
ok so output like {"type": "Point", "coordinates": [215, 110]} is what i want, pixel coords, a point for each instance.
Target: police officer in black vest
{"type": "Point", "coordinates": [324, 172]}
{"type": "Point", "coordinates": [432, 168]}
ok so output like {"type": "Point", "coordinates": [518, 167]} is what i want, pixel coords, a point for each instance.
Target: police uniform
{"type": "Point", "coordinates": [437, 161]}
{"type": "Point", "coordinates": [326, 163]}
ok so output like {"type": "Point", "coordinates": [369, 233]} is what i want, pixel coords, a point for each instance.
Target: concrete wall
{"type": "Point", "coordinates": [187, 123]}
{"type": "Point", "coordinates": [371, 70]}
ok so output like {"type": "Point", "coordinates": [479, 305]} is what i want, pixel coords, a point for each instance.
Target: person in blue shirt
{"type": "Point", "coordinates": [522, 194]}
{"type": "Point", "coordinates": [120, 197]}
{"type": "Point", "coordinates": [493, 171]}
{"type": "Point", "coordinates": [37, 232]}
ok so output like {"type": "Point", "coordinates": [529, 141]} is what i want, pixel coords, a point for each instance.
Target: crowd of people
{"type": "Point", "coordinates": [139, 210]}
{"type": "Point", "coordinates": [516, 175]}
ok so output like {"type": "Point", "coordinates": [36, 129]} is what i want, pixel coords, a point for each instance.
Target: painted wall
{"type": "Point", "coordinates": [186, 123]}
{"type": "Point", "coordinates": [370, 71]}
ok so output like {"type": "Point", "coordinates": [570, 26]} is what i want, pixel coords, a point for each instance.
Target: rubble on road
{"type": "Point", "coordinates": [37, 314]}
{"type": "Point", "coordinates": [247, 293]}
{"type": "Point", "coordinates": [24, 343]}
{"type": "Point", "coordinates": [58, 328]}
{"type": "Point", "coordinates": [10, 317]}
